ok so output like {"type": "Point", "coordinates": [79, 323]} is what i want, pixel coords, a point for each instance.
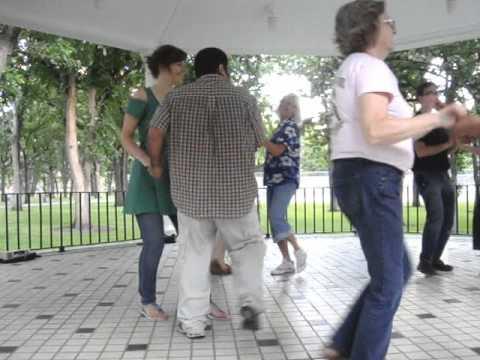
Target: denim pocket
{"type": "Point", "coordinates": [390, 186]}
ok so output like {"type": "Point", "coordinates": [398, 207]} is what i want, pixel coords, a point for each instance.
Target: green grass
{"type": "Point", "coordinates": [415, 217]}
{"type": "Point", "coordinates": [48, 226]}
{"type": "Point", "coordinates": [42, 227]}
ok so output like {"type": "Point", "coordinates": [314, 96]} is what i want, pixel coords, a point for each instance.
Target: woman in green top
{"type": "Point", "coordinates": [147, 198]}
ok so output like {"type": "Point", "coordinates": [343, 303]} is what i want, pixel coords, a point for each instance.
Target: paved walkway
{"type": "Point", "coordinates": [83, 305]}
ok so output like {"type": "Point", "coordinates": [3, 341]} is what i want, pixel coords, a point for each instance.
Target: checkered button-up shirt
{"type": "Point", "coordinates": [214, 130]}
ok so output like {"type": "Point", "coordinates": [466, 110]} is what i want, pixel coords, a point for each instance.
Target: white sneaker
{"type": "Point", "coordinates": [286, 267]}
{"type": "Point", "coordinates": [301, 257]}
{"type": "Point", "coordinates": [192, 329]}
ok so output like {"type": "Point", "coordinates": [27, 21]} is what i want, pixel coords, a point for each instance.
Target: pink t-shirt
{"type": "Point", "coordinates": [360, 74]}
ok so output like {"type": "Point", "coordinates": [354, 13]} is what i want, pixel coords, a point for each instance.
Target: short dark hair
{"type": "Point", "coordinates": [424, 86]}
{"type": "Point", "coordinates": [356, 25]}
{"type": "Point", "coordinates": [163, 57]}
{"type": "Point", "coordinates": [208, 60]}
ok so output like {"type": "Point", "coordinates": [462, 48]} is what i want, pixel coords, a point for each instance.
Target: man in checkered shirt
{"type": "Point", "coordinates": [213, 130]}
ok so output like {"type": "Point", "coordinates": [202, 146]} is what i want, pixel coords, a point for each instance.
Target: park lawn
{"type": "Point", "coordinates": [43, 227]}
{"type": "Point", "coordinates": [47, 227]}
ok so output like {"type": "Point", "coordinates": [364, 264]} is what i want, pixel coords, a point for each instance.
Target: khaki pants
{"type": "Point", "coordinates": [244, 241]}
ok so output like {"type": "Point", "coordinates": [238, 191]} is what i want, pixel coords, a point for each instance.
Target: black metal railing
{"type": "Point", "coordinates": [59, 220]}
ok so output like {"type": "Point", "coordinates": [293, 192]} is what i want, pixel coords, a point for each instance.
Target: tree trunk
{"type": "Point", "coordinates": [120, 173]}
{"type": "Point", "coordinates": [33, 183]}
{"type": "Point", "coordinates": [87, 169]}
{"type": "Point", "coordinates": [8, 42]}
{"type": "Point", "coordinates": [96, 177]}
{"type": "Point", "coordinates": [3, 185]}
{"type": "Point", "coordinates": [51, 179]}
{"type": "Point", "coordinates": [66, 185]}
{"type": "Point", "coordinates": [78, 177]}
{"type": "Point", "coordinates": [65, 174]}
{"type": "Point", "coordinates": [26, 173]}
{"type": "Point", "coordinates": [89, 162]}
{"type": "Point", "coordinates": [110, 176]}
{"type": "Point", "coordinates": [15, 154]}
{"type": "Point", "coordinates": [92, 173]}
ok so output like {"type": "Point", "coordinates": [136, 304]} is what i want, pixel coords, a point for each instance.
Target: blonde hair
{"type": "Point", "coordinates": [293, 99]}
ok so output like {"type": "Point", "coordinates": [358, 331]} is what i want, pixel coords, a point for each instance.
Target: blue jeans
{"type": "Point", "coordinates": [369, 194]}
{"type": "Point", "coordinates": [151, 228]}
{"type": "Point", "coordinates": [439, 197]}
{"type": "Point", "coordinates": [278, 198]}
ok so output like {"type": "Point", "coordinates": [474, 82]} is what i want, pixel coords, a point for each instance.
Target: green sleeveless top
{"type": "Point", "coordinates": [144, 193]}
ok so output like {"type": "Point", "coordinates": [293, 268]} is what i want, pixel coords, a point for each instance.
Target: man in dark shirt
{"type": "Point", "coordinates": [431, 176]}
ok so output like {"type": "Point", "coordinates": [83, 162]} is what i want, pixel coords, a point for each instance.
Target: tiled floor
{"type": "Point", "coordinates": [83, 305]}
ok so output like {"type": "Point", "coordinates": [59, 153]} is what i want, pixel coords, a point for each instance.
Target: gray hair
{"type": "Point", "coordinates": [356, 25]}
{"type": "Point", "coordinates": [293, 99]}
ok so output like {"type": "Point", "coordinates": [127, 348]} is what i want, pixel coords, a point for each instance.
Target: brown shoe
{"type": "Point", "coordinates": [154, 312]}
{"type": "Point", "coordinates": [217, 269]}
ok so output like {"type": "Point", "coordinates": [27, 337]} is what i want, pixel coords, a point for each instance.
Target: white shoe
{"type": "Point", "coordinates": [301, 257]}
{"type": "Point", "coordinates": [193, 329]}
{"type": "Point", "coordinates": [286, 267]}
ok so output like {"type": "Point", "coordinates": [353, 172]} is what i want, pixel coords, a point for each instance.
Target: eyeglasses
{"type": "Point", "coordinates": [392, 24]}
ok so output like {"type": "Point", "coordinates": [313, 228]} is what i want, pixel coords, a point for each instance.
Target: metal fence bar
{"type": "Point", "coordinates": [7, 237]}
{"type": "Point", "coordinates": [314, 213]}
{"type": "Point", "coordinates": [89, 218]}
{"type": "Point", "coordinates": [323, 210]}
{"type": "Point", "coordinates": [50, 218]}
{"type": "Point", "coordinates": [98, 219]}
{"type": "Point", "coordinates": [80, 216]}
{"type": "Point", "coordinates": [457, 187]}
{"type": "Point", "coordinates": [467, 210]}
{"type": "Point", "coordinates": [62, 248]}
{"type": "Point", "coordinates": [29, 213]}
{"type": "Point", "coordinates": [41, 219]}
{"type": "Point", "coordinates": [38, 237]}
{"type": "Point", "coordinates": [17, 199]}
{"type": "Point", "coordinates": [71, 219]}
{"type": "Point", "coordinates": [108, 221]}
{"type": "Point", "coordinates": [116, 215]}
{"type": "Point", "coordinates": [124, 217]}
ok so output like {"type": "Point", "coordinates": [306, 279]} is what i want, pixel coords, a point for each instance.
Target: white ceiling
{"type": "Point", "coordinates": [237, 26]}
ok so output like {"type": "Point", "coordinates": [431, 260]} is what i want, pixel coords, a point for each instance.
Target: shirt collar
{"type": "Point", "coordinates": [211, 77]}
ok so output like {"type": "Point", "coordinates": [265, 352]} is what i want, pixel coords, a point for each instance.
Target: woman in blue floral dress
{"type": "Point", "coordinates": [281, 177]}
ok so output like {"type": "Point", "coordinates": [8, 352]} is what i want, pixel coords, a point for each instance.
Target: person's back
{"type": "Point", "coordinates": [213, 131]}
{"type": "Point", "coordinates": [212, 144]}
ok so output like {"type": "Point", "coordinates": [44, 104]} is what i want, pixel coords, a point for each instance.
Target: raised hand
{"type": "Point", "coordinates": [467, 129]}
{"type": "Point", "coordinates": [451, 114]}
